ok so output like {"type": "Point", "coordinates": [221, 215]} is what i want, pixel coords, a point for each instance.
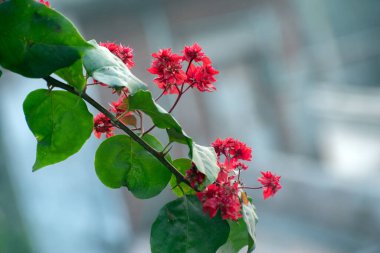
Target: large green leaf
{"type": "Point", "coordinates": [120, 161]}
{"type": "Point", "coordinates": [73, 75]}
{"type": "Point", "coordinates": [206, 161]}
{"type": "Point", "coordinates": [250, 218]}
{"type": "Point", "coordinates": [35, 40]}
{"type": "Point", "coordinates": [237, 239]}
{"type": "Point", "coordinates": [181, 226]}
{"type": "Point", "coordinates": [182, 165]}
{"type": "Point", "coordinates": [105, 67]}
{"type": "Point", "coordinates": [61, 123]}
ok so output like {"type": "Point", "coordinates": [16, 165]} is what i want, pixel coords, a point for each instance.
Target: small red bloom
{"type": "Point", "coordinates": [45, 3]}
{"type": "Point", "coordinates": [122, 52]}
{"type": "Point", "coordinates": [270, 182]}
{"type": "Point", "coordinates": [221, 196]}
{"type": "Point", "coordinates": [167, 66]}
{"type": "Point", "coordinates": [233, 149]}
{"type": "Point", "coordinates": [102, 124]}
{"type": "Point", "coordinates": [194, 176]}
{"type": "Point", "coordinates": [202, 77]}
{"type": "Point", "coordinates": [119, 107]}
{"type": "Point", "coordinates": [193, 52]}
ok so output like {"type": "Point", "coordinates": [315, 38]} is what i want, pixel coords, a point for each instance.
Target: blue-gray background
{"type": "Point", "coordinates": [299, 82]}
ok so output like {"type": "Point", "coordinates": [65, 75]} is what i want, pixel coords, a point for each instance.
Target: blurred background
{"type": "Point", "coordinates": [299, 82]}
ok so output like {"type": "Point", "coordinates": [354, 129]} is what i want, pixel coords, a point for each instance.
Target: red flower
{"type": "Point", "coordinates": [194, 176]}
{"type": "Point", "coordinates": [193, 52]}
{"type": "Point", "coordinates": [233, 149]}
{"type": "Point", "coordinates": [270, 182]}
{"type": "Point", "coordinates": [167, 66]}
{"type": "Point", "coordinates": [221, 196]}
{"type": "Point", "coordinates": [119, 107]}
{"type": "Point", "coordinates": [102, 124]}
{"type": "Point", "coordinates": [122, 52]}
{"type": "Point", "coordinates": [202, 77]}
{"type": "Point", "coordinates": [45, 3]}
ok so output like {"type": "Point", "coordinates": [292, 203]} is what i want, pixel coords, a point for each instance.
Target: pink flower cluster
{"type": "Point", "coordinates": [171, 77]}
{"type": "Point", "coordinates": [225, 194]}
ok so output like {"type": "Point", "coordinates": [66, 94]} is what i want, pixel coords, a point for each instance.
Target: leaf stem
{"type": "Point", "coordinates": [55, 83]}
{"type": "Point", "coordinates": [251, 188]}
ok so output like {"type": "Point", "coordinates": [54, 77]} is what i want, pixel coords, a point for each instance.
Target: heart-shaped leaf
{"type": "Point", "coordinates": [61, 123]}
{"type": "Point", "coordinates": [181, 226]}
{"type": "Point", "coordinates": [120, 161]}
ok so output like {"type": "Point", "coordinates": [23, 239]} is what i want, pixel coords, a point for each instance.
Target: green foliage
{"type": "Point", "coordinates": [204, 157]}
{"type": "Point", "coordinates": [73, 75]}
{"type": "Point", "coordinates": [105, 67]}
{"type": "Point", "coordinates": [35, 41]}
{"type": "Point", "coordinates": [143, 101]}
{"type": "Point", "coordinates": [181, 226]}
{"type": "Point", "coordinates": [182, 165]}
{"type": "Point", "coordinates": [120, 161]}
{"type": "Point", "coordinates": [61, 123]}
{"type": "Point", "coordinates": [250, 218]}
{"type": "Point", "coordinates": [206, 161]}
{"type": "Point", "coordinates": [237, 239]}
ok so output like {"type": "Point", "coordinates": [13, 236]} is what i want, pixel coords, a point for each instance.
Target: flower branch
{"type": "Point", "coordinates": [52, 82]}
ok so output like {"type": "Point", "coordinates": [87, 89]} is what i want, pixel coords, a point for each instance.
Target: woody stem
{"type": "Point", "coordinates": [116, 122]}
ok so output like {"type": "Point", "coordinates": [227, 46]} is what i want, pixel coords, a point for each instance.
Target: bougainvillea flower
{"type": "Point", "coordinates": [202, 77]}
{"type": "Point", "coordinates": [193, 53]}
{"type": "Point", "coordinates": [221, 196]}
{"type": "Point", "coordinates": [102, 124]}
{"type": "Point", "coordinates": [167, 66]}
{"type": "Point", "coordinates": [232, 148]}
{"type": "Point", "coordinates": [270, 182]}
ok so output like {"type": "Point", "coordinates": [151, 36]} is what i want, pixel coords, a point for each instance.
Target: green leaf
{"type": "Point", "coordinates": [1, 73]}
{"type": "Point", "coordinates": [206, 161]}
{"type": "Point", "coordinates": [105, 67]}
{"type": "Point", "coordinates": [250, 218]}
{"type": "Point", "coordinates": [237, 239]}
{"type": "Point", "coordinates": [204, 157]}
{"type": "Point", "coordinates": [181, 226]}
{"type": "Point", "coordinates": [35, 40]}
{"type": "Point", "coordinates": [143, 101]}
{"type": "Point", "coordinates": [61, 123]}
{"type": "Point", "coordinates": [182, 165]}
{"type": "Point", "coordinates": [120, 161]}
{"type": "Point", "coordinates": [73, 75]}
